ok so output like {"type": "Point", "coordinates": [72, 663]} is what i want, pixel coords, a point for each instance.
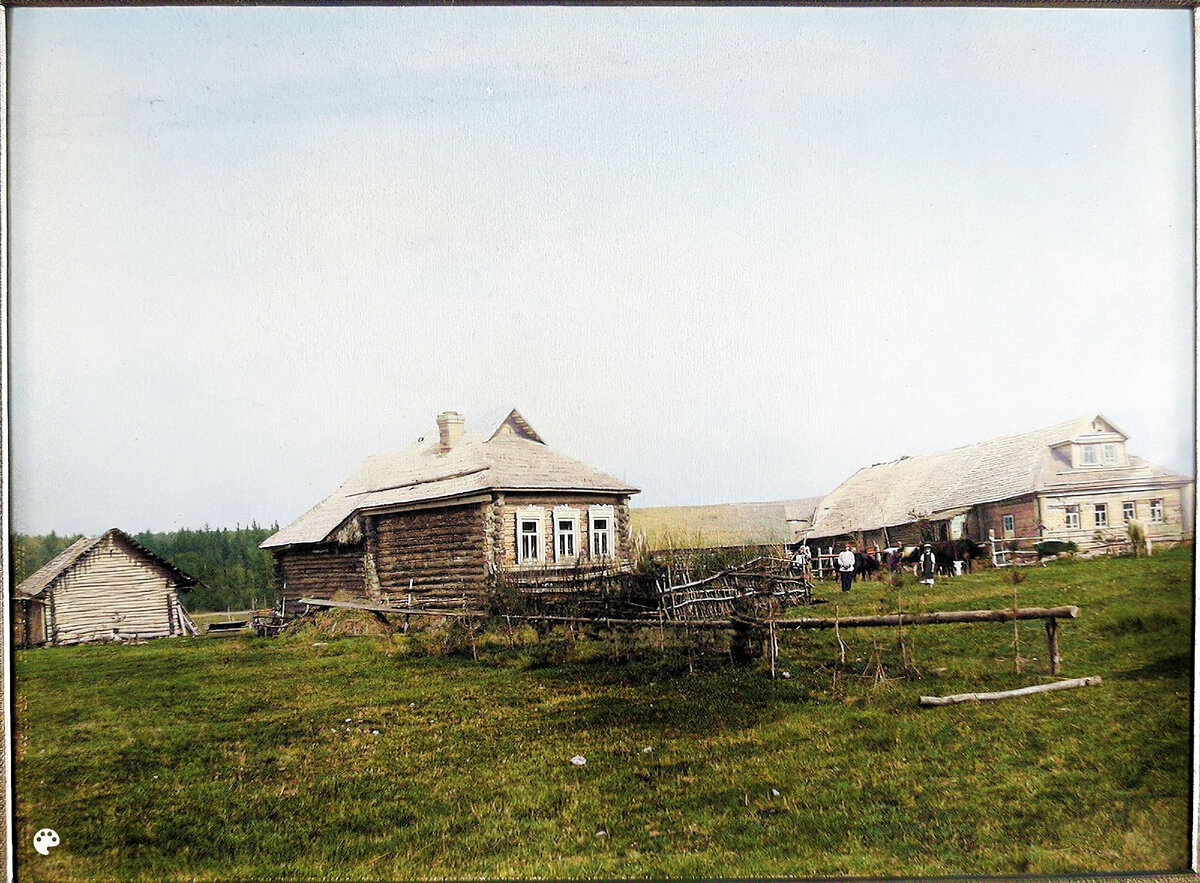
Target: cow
{"type": "Point", "coordinates": [946, 552]}
{"type": "Point", "coordinates": [865, 565]}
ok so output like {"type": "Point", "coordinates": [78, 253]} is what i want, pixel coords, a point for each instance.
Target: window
{"type": "Point", "coordinates": [1156, 512]}
{"type": "Point", "coordinates": [1087, 455]}
{"type": "Point", "coordinates": [1072, 518]}
{"type": "Point", "coordinates": [1109, 454]}
{"type": "Point", "coordinates": [529, 535]}
{"type": "Point", "coordinates": [566, 534]}
{"type": "Point", "coordinates": [1128, 511]}
{"type": "Point", "coordinates": [602, 520]}
{"type": "Point", "coordinates": [1102, 515]}
{"type": "Point", "coordinates": [1009, 523]}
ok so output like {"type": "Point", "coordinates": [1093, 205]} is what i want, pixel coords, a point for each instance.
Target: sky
{"type": "Point", "coordinates": [724, 254]}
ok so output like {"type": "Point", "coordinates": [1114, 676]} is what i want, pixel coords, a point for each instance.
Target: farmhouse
{"type": "Point", "coordinates": [105, 588]}
{"type": "Point", "coordinates": [448, 516]}
{"type": "Point", "coordinates": [1074, 481]}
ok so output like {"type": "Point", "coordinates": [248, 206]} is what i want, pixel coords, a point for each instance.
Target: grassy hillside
{"type": "Point", "coordinates": [381, 757]}
{"type": "Point", "coordinates": [722, 524]}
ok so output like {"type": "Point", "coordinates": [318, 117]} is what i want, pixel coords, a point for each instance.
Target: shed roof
{"type": "Point", "coordinates": [888, 494]}
{"type": "Point", "coordinates": [42, 578]}
{"type": "Point", "coordinates": [513, 458]}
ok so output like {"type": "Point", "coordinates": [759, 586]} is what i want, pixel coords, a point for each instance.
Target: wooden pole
{"type": "Point", "coordinates": [1052, 640]}
{"type": "Point", "coordinates": [772, 649]}
{"type": "Point", "coordinates": [940, 617]}
{"type": "Point", "coordinates": [1005, 694]}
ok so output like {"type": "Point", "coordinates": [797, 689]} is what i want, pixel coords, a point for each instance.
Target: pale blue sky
{"type": "Point", "coordinates": [725, 254]}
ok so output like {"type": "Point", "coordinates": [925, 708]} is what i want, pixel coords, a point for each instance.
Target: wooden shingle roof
{"type": "Point", "coordinates": [42, 578]}
{"type": "Point", "coordinates": [514, 458]}
{"type": "Point", "coordinates": [888, 494]}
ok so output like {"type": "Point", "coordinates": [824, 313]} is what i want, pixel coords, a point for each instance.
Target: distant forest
{"type": "Point", "coordinates": [233, 570]}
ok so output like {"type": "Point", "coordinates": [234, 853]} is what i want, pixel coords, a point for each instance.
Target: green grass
{"type": "Point", "coordinates": [204, 759]}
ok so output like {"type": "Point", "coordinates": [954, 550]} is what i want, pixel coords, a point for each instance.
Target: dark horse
{"type": "Point", "coordinates": [946, 552]}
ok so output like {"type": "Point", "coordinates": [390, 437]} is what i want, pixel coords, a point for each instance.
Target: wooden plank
{"type": "Point", "coordinates": [1006, 694]}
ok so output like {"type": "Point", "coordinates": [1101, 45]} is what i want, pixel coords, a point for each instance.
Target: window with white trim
{"type": "Point", "coordinates": [1156, 511]}
{"type": "Point", "coordinates": [1008, 524]}
{"type": "Point", "coordinates": [1101, 515]}
{"type": "Point", "coordinates": [602, 521]}
{"type": "Point", "coordinates": [566, 534]}
{"type": "Point", "coordinates": [1128, 511]}
{"type": "Point", "coordinates": [1109, 454]}
{"type": "Point", "coordinates": [1087, 455]}
{"type": "Point", "coordinates": [529, 535]}
{"type": "Point", "coordinates": [1071, 519]}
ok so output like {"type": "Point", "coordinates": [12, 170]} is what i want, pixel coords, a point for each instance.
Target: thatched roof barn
{"type": "Point", "coordinates": [103, 588]}
{"type": "Point", "coordinates": [1067, 481]}
{"type": "Point", "coordinates": [445, 516]}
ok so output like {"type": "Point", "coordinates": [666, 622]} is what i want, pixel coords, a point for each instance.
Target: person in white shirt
{"type": "Point", "coordinates": [800, 561]}
{"type": "Point", "coordinates": [927, 565]}
{"type": "Point", "coordinates": [845, 563]}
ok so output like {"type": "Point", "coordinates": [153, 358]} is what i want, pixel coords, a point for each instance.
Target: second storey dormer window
{"type": "Point", "coordinates": [1087, 455]}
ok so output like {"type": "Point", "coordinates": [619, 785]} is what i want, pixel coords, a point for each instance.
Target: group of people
{"type": "Point", "coordinates": [848, 563]}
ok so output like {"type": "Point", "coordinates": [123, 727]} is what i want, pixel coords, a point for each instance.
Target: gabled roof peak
{"type": "Point", "coordinates": [517, 425]}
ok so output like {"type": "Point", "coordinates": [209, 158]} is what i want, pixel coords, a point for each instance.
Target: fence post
{"type": "Point", "coordinates": [1052, 640]}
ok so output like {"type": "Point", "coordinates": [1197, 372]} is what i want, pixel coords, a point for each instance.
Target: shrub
{"type": "Point", "coordinates": [1137, 536]}
{"type": "Point", "coordinates": [1055, 547]}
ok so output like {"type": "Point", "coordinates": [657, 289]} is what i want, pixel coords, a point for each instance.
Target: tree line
{"type": "Point", "coordinates": [232, 569]}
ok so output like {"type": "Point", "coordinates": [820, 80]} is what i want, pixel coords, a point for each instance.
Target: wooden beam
{"type": "Point", "coordinates": [936, 618]}
{"type": "Point", "coordinates": [387, 608]}
{"type": "Point", "coordinates": [1005, 694]}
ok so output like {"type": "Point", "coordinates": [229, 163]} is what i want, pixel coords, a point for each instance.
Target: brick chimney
{"type": "Point", "coordinates": [450, 429]}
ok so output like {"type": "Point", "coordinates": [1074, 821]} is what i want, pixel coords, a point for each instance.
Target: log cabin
{"type": "Point", "coordinates": [102, 588]}
{"type": "Point", "coordinates": [1074, 481]}
{"type": "Point", "coordinates": [447, 517]}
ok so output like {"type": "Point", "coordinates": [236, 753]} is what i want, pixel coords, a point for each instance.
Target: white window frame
{"type": "Point", "coordinates": [566, 514]}
{"type": "Point", "coordinates": [531, 513]}
{"type": "Point", "coordinates": [1087, 455]}
{"type": "Point", "coordinates": [1108, 454]}
{"type": "Point", "coordinates": [1129, 511]}
{"type": "Point", "coordinates": [1157, 515]}
{"type": "Point", "coordinates": [1071, 518]}
{"type": "Point", "coordinates": [609, 532]}
{"type": "Point", "coordinates": [1008, 526]}
{"type": "Point", "coordinates": [1100, 514]}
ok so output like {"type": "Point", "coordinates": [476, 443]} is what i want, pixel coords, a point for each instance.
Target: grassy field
{"type": "Point", "coordinates": [721, 524]}
{"type": "Point", "coordinates": [379, 757]}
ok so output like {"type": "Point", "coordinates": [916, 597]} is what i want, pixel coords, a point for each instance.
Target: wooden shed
{"type": "Point", "coordinates": [106, 588]}
{"type": "Point", "coordinates": [447, 516]}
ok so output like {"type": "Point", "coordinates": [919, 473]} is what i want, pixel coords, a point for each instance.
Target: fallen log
{"type": "Point", "coordinates": [1005, 694]}
{"type": "Point", "coordinates": [935, 618]}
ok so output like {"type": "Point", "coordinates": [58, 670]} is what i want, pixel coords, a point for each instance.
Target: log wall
{"type": "Point", "coordinates": [442, 551]}
{"type": "Point", "coordinates": [439, 552]}
{"type": "Point", "coordinates": [111, 593]}
{"type": "Point", "coordinates": [320, 571]}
